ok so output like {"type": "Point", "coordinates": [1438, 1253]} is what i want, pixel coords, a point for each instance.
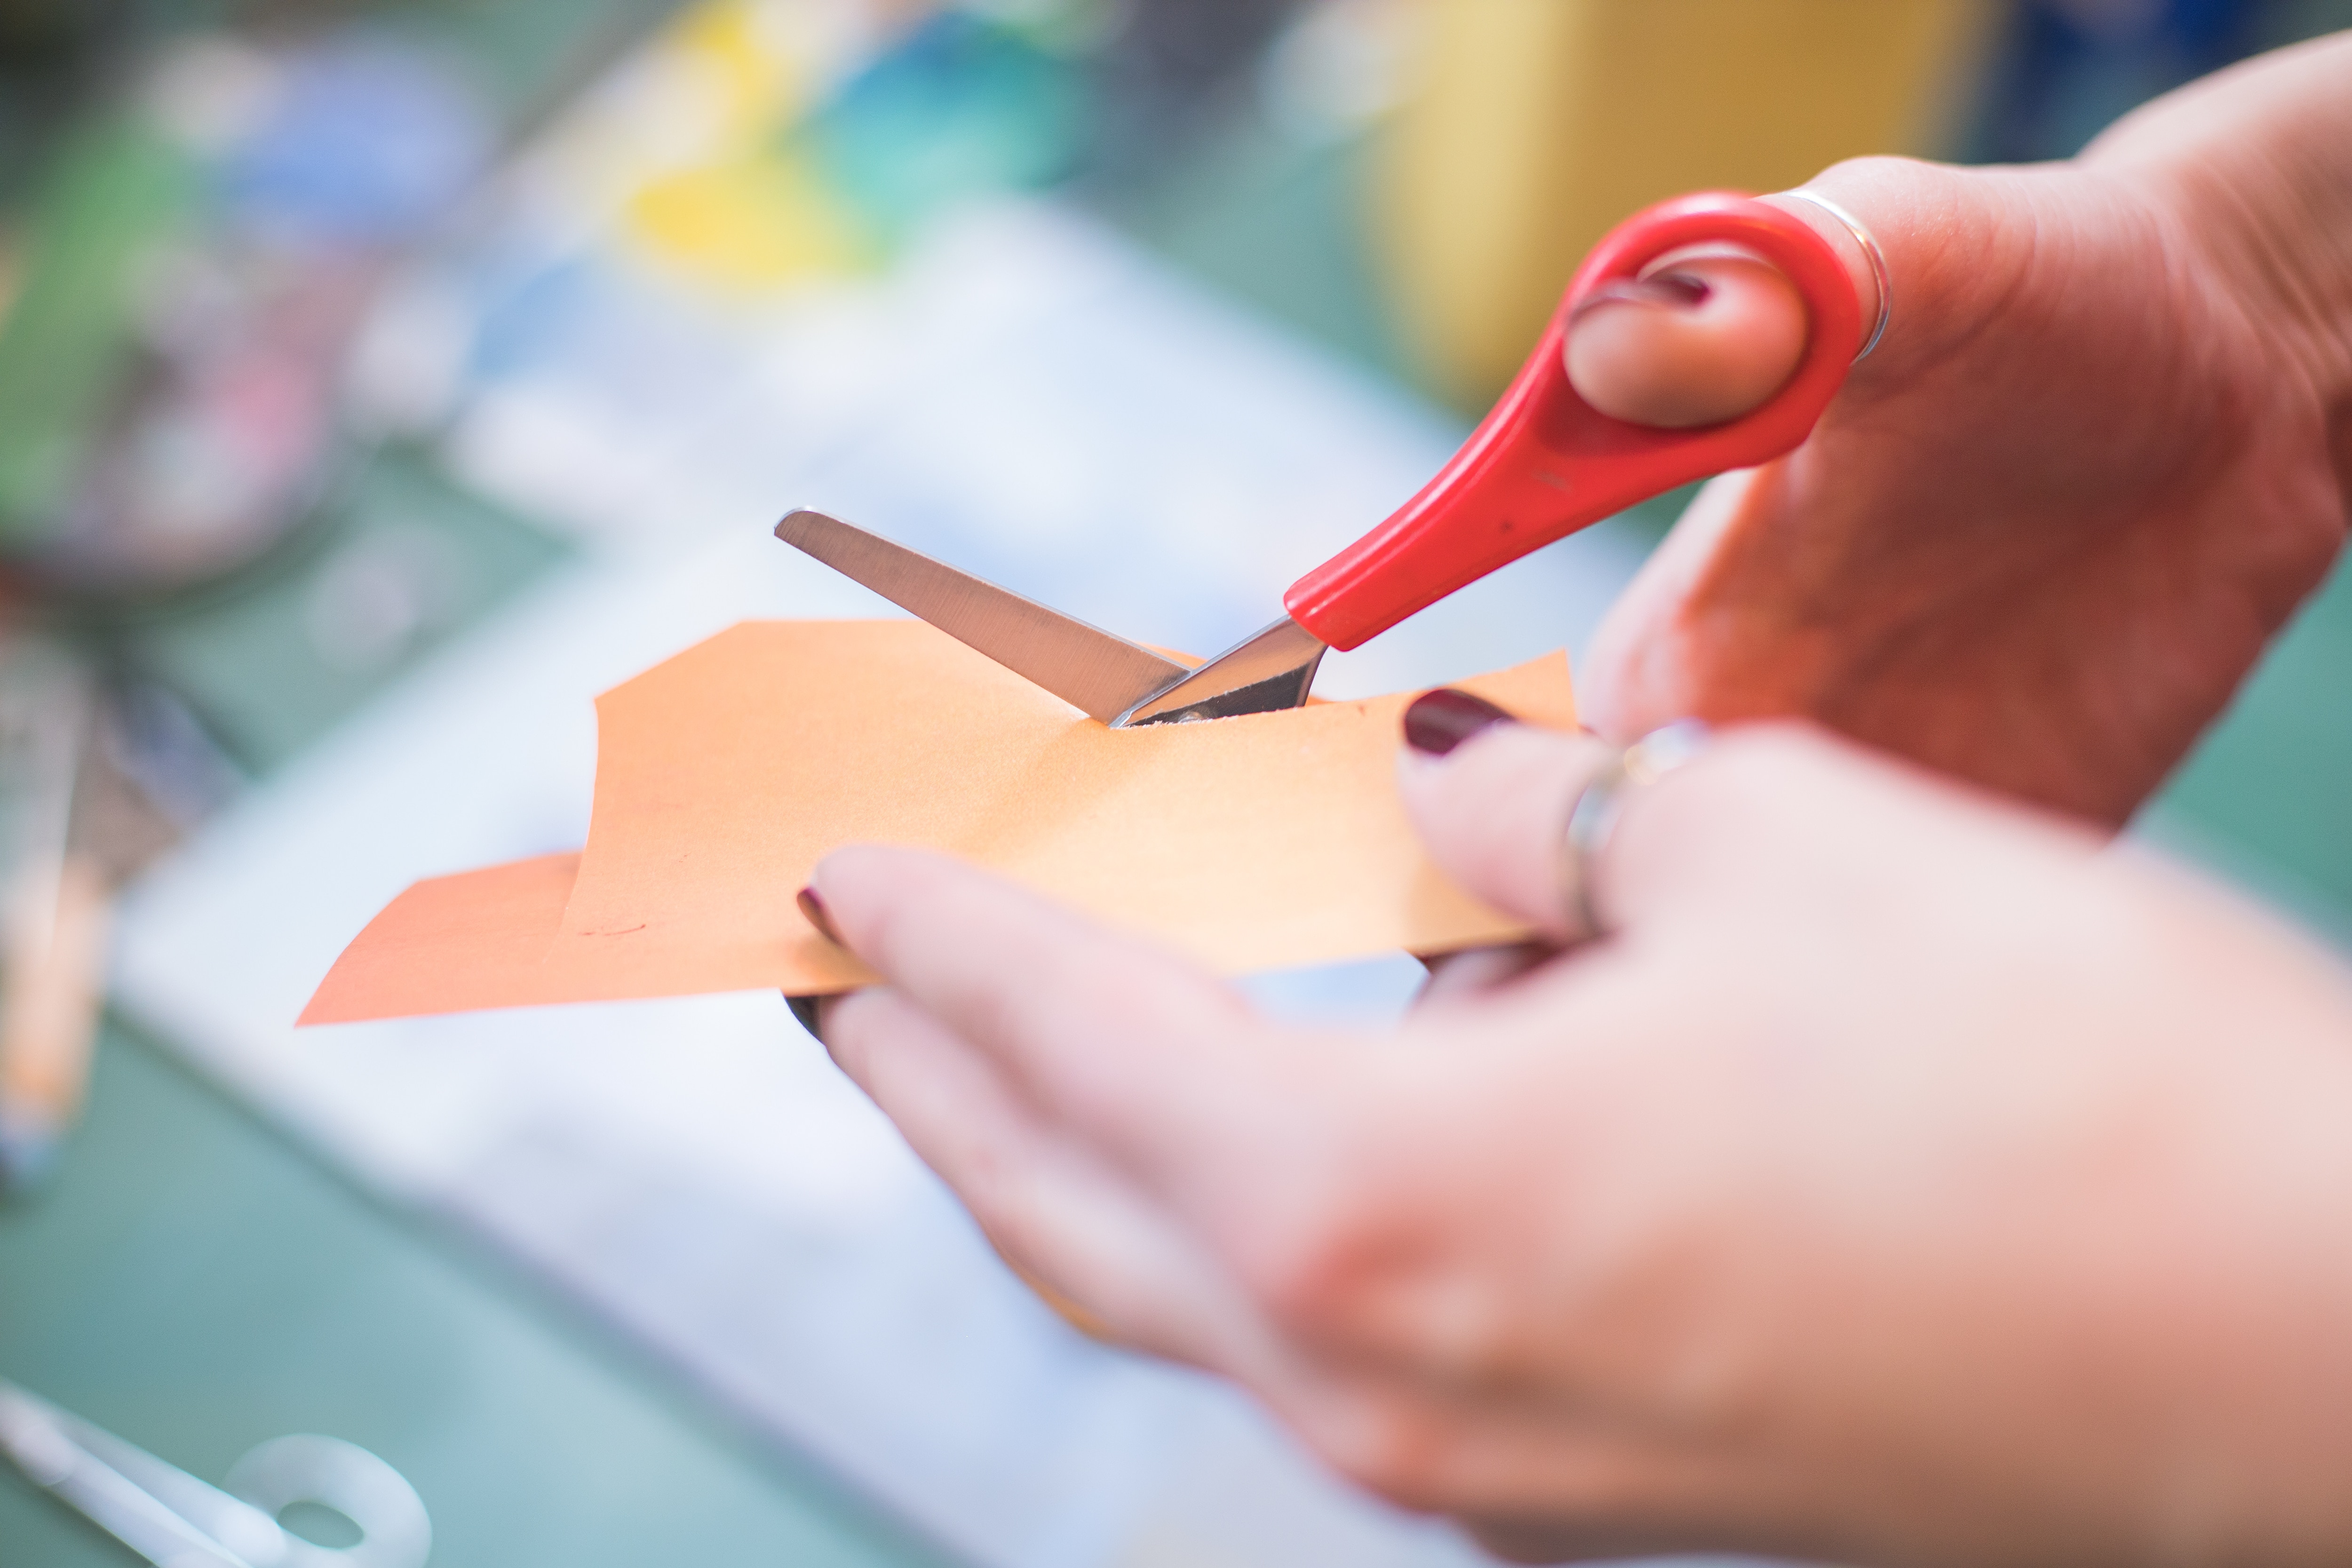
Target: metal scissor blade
{"type": "Point", "coordinates": [1088, 668]}
{"type": "Point", "coordinates": [1271, 672]}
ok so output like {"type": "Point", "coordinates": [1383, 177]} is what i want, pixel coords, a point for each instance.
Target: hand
{"type": "Point", "coordinates": [1906, 1181]}
{"type": "Point", "coordinates": [2051, 524]}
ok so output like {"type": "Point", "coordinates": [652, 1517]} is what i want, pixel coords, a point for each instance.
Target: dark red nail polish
{"type": "Point", "coordinates": [1443, 719]}
{"type": "Point", "coordinates": [813, 907]}
{"type": "Point", "coordinates": [1676, 290]}
{"type": "Point", "coordinates": [805, 1009]}
{"type": "Point", "coordinates": [1682, 289]}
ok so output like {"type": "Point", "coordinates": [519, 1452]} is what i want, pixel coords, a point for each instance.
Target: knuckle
{"type": "Point", "coordinates": [1355, 1256]}
{"type": "Point", "coordinates": [1306, 1263]}
{"type": "Point", "coordinates": [1318, 1250]}
{"type": "Point", "coordinates": [1385, 1447]}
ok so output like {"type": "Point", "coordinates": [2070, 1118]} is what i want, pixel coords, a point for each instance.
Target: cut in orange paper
{"type": "Point", "coordinates": [724, 775]}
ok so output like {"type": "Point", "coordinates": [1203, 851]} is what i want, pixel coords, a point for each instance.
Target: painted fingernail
{"type": "Point", "coordinates": [1676, 290]}
{"type": "Point", "coordinates": [1683, 288]}
{"type": "Point", "coordinates": [805, 1009]}
{"type": "Point", "coordinates": [1443, 719]}
{"type": "Point", "coordinates": [813, 907]}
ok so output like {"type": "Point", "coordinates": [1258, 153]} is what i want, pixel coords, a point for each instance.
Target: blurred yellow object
{"type": "Point", "coordinates": [54, 904]}
{"type": "Point", "coordinates": [12, 275]}
{"type": "Point", "coordinates": [49, 1018]}
{"type": "Point", "coordinates": [760, 221]}
{"type": "Point", "coordinates": [748, 62]}
{"type": "Point", "coordinates": [690, 151]}
{"type": "Point", "coordinates": [1536, 125]}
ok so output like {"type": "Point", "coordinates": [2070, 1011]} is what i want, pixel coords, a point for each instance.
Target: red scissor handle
{"type": "Point", "coordinates": [1545, 463]}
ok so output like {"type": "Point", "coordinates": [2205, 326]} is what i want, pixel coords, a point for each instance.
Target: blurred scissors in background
{"type": "Point", "coordinates": [170, 1518]}
{"type": "Point", "coordinates": [1543, 464]}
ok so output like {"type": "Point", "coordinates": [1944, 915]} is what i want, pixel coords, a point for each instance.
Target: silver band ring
{"type": "Point", "coordinates": [1870, 247]}
{"type": "Point", "coordinates": [1593, 817]}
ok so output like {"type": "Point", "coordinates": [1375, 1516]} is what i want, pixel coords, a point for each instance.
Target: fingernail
{"type": "Point", "coordinates": [813, 907]}
{"type": "Point", "coordinates": [1443, 719]}
{"type": "Point", "coordinates": [1683, 288]}
{"type": "Point", "coordinates": [805, 1009]}
{"type": "Point", "coordinates": [1676, 290]}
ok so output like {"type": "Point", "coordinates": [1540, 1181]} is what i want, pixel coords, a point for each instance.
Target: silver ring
{"type": "Point", "coordinates": [1593, 817]}
{"type": "Point", "coordinates": [1869, 243]}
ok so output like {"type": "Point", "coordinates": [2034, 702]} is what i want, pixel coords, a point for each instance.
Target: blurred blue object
{"type": "Point", "coordinates": [2069, 68]}
{"type": "Point", "coordinates": [368, 141]}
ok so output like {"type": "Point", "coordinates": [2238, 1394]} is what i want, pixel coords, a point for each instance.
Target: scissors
{"type": "Point", "coordinates": [170, 1518]}
{"type": "Point", "coordinates": [1543, 464]}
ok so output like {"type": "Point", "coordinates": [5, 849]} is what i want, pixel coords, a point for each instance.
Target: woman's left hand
{"type": "Point", "coordinates": [1906, 1180]}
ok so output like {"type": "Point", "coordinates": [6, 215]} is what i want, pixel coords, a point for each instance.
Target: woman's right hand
{"type": "Point", "coordinates": [2050, 525]}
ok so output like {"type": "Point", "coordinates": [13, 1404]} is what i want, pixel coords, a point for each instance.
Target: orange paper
{"type": "Point", "coordinates": [724, 775]}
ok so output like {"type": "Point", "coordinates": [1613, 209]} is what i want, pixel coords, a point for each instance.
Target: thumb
{"type": "Point", "coordinates": [1705, 339]}
{"type": "Point", "coordinates": [1705, 335]}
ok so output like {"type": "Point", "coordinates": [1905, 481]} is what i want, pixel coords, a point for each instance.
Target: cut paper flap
{"type": "Point", "coordinates": [724, 775]}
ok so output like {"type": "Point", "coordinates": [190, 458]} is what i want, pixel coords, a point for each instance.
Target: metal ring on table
{"type": "Point", "coordinates": [1870, 247]}
{"type": "Point", "coordinates": [1592, 818]}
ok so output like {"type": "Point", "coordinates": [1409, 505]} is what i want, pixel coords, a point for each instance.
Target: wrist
{"type": "Point", "coordinates": [2255, 166]}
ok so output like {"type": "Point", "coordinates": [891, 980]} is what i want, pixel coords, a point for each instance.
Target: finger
{"type": "Point", "coordinates": [1492, 808]}
{"type": "Point", "coordinates": [1478, 972]}
{"type": "Point", "coordinates": [1127, 1047]}
{"type": "Point", "coordinates": [809, 1012]}
{"type": "Point", "coordinates": [1734, 830]}
{"type": "Point", "coordinates": [1063, 1219]}
{"type": "Point", "coordinates": [1635, 675]}
{"type": "Point", "coordinates": [1139, 1118]}
{"type": "Point", "coordinates": [955, 1104]}
{"type": "Point", "coordinates": [1708, 340]}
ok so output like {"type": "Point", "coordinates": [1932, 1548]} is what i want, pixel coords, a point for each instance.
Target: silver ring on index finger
{"type": "Point", "coordinates": [1593, 815]}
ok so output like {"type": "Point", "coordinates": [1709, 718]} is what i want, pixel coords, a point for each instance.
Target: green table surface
{"type": "Point", "coordinates": [195, 1285]}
